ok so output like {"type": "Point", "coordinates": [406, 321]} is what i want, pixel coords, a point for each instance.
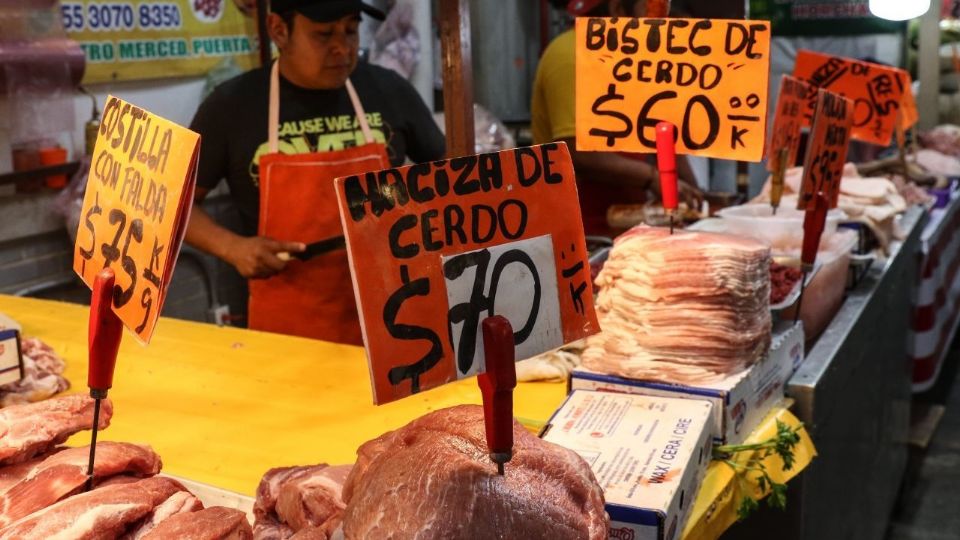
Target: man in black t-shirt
{"type": "Point", "coordinates": [318, 42]}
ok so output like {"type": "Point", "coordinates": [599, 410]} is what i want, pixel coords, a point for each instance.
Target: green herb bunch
{"type": "Point", "coordinates": [782, 445]}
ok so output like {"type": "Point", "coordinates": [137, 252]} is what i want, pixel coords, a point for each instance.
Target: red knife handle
{"type": "Point", "coordinates": [104, 336]}
{"type": "Point", "coordinates": [667, 164]}
{"type": "Point", "coordinates": [497, 383]}
{"type": "Point", "coordinates": [658, 8]}
{"type": "Point", "coordinates": [814, 221]}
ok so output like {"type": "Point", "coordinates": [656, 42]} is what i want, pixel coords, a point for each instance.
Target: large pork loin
{"type": "Point", "coordinates": [433, 479]}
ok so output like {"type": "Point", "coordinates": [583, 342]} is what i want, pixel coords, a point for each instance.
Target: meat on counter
{"type": "Point", "coordinates": [300, 500]}
{"type": "Point", "coordinates": [783, 279]}
{"type": "Point", "coordinates": [65, 473]}
{"type": "Point", "coordinates": [687, 307]}
{"type": "Point", "coordinates": [33, 428]}
{"type": "Point", "coordinates": [41, 483]}
{"type": "Point", "coordinates": [434, 474]}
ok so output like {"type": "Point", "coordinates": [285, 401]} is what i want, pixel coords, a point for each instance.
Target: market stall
{"type": "Point", "coordinates": [708, 367]}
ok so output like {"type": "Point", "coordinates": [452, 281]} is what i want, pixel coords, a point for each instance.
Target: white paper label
{"type": "Point", "coordinates": [519, 282]}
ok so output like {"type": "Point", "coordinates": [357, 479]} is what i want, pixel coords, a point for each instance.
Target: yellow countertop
{"type": "Point", "coordinates": [223, 405]}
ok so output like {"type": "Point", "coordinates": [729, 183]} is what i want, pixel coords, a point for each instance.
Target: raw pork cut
{"type": "Point", "coordinates": [43, 375]}
{"type": "Point", "coordinates": [291, 499]}
{"type": "Point", "coordinates": [433, 479]}
{"type": "Point", "coordinates": [12, 474]}
{"type": "Point", "coordinates": [65, 472]}
{"type": "Point", "coordinates": [99, 514]}
{"type": "Point", "coordinates": [178, 503]}
{"type": "Point", "coordinates": [33, 428]}
{"type": "Point", "coordinates": [687, 307]}
{"type": "Point", "coordinates": [214, 523]}
{"type": "Point", "coordinates": [944, 138]}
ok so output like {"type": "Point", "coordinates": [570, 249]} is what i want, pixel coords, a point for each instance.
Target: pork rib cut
{"type": "Point", "coordinates": [33, 428]}
{"type": "Point", "coordinates": [214, 523]}
{"type": "Point", "coordinates": [100, 514]}
{"type": "Point", "coordinates": [66, 472]}
{"type": "Point", "coordinates": [433, 479]}
{"type": "Point", "coordinates": [291, 499]}
{"type": "Point", "coordinates": [178, 503]}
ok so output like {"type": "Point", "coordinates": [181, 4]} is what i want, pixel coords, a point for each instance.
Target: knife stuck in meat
{"type": "Point", "coordinates": [104, 334]}
{"type": "Point", "coordinates": [496, 385]}
{"type": "Point", "coordinates": [667, 165]}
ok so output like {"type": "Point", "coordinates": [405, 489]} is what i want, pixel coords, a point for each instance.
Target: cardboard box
{"type": "Point", "coordinates": [649, 455]}
{"type": "Point", "coordinates": [740, 401]}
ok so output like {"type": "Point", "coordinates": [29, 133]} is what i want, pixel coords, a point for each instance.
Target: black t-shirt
{"type": "Point", "coordinates": [232, 123]}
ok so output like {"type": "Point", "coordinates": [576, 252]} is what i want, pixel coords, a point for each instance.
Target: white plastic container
{"type": "Point", "coordinates": [824, 295]}
{"type": "Point", "coordinates": [781, 231]}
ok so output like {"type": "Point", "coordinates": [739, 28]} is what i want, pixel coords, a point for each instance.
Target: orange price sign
{"type": "Point", "coordinates": [877, 92]}
{"type": "Point", "coordinates": [827, 150]}
{"type": "Point", "coordinates": [135, 209]}
{"type": "Point", "coordinates": [435, 248]}
{"type": "Point", "coordinates": [787, 121]}
{"type": "Point", "coordinates": [707, 77]}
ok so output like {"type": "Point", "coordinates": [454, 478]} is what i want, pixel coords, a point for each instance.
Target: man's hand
{"type": "Point", "coordinates": [257, 257]}
{"type": "Point", "coordinates": [690, 194]}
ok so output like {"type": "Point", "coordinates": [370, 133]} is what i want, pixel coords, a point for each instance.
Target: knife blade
{"type": "Point", "coordinates": [315, 249]}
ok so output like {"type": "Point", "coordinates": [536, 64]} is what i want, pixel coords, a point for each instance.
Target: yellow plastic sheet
{"type": "Point", "coordinates": [715, 509]}
{"type": "Point", "coordinates": [223, 405]}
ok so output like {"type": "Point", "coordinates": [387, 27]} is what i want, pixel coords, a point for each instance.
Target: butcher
{"type": "Point", "coordinates": [603, 178]}
{"type": "Point", "coordinates": [279, 135]}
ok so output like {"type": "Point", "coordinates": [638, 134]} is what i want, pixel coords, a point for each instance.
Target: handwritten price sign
{"type": "Point", "coordinates": [435, 248]}
{"type": "Point", "coordinates": [135, 209]}
{"type": "Point", "coordinates": [823, 167]}
{"type": "Point", "coordinates": [787, 121]}
{"type": "Point", "coordinates": [878, 93]}
{"type": "Point", "coordinates": [707, 77]}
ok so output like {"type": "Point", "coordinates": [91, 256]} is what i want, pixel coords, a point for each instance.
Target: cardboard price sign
{"type": "Point", "coordinates": [787, 121]}
{"type": "Point", "coordinates": [827, 150]}
{"type": "Point", "coordinates": [435, 248]}
{"type": "Point", "coordinates": [877, 92]}
{"type": "Point", "coordinates": [707, 77]}
{"type": "Point", "coordinates": [135, 210]}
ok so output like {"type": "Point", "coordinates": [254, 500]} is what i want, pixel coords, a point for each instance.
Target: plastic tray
{"type": "Point", "coordinates": [782, 230]}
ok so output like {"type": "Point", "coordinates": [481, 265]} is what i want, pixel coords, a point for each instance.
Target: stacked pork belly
{"type": "Point", "coordinates": [683, 308]}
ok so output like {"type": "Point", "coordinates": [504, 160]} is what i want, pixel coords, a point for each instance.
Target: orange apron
{"type": "Point", "coordinates": [312, 298]}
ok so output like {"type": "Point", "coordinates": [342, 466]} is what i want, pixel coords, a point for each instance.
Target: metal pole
{"type": "Point", "coordinates": [928, 68]}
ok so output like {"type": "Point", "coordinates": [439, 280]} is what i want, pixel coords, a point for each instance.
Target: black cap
{"type": "Point", "coordinates": [325, 10]}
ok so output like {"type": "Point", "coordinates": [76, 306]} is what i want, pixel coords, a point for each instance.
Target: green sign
{"type": "Point", "coordinates": [821, 17]}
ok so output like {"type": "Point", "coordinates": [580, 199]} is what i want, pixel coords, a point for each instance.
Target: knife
{"type": "Point", "coordinates": [315, 248]}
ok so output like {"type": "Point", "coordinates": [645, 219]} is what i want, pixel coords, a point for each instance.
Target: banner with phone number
{"type": "Point", "coordinates": [132, 39]}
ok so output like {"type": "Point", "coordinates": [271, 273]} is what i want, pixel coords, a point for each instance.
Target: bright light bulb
{"type": "Point", "coordinates": [899, 10]}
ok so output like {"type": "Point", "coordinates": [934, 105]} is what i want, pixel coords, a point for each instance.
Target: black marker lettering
{"type": "Point", "coordinates": [427, 231]}
{"type": "Point", "coordinates": [673, 25]}
{"type": "Point", "coordinates": [526, 178]}
{"type": "Point", "coordinates": [404, 223]}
